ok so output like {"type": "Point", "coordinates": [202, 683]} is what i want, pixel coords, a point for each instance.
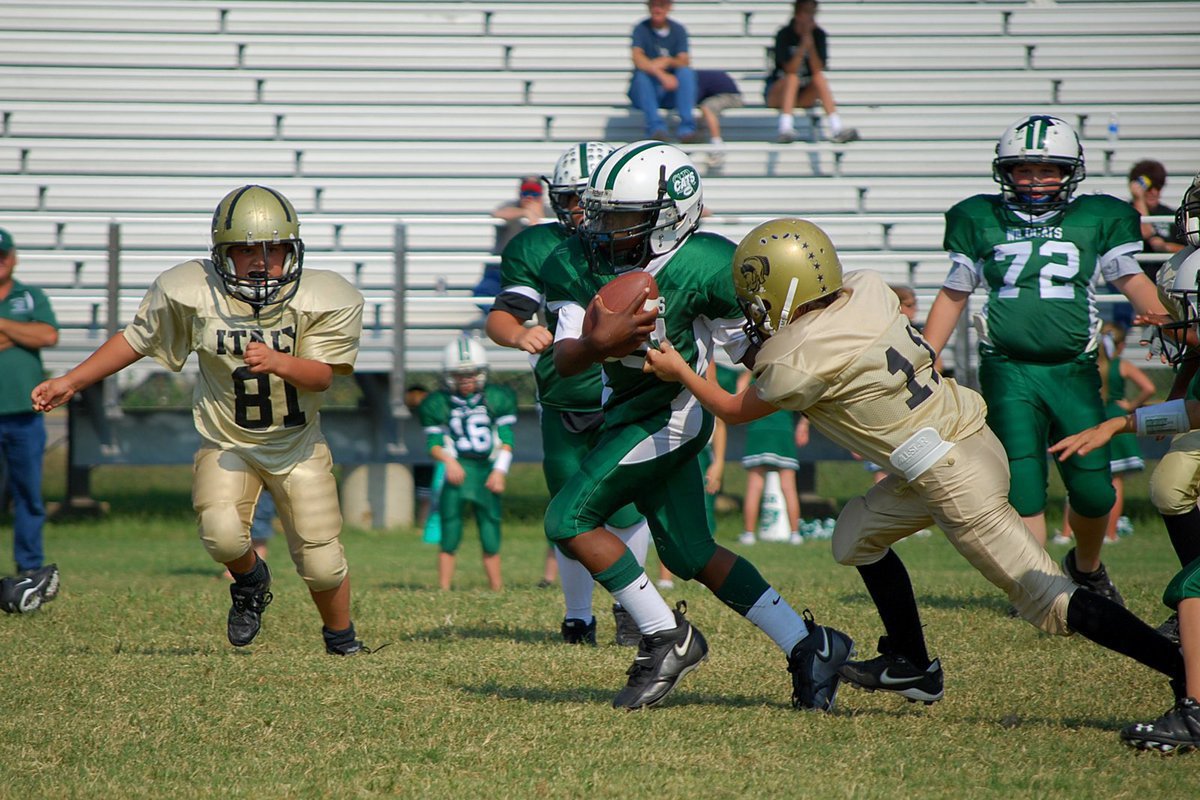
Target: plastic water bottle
{"type": "Point", "coordinates": [1114, 128]}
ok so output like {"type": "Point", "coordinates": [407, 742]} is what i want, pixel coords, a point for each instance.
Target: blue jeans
{"type": "Point", "coordinates": [264, 513]}
{"type": "Point", "coordinates": [23, 443]}
{"type": "Point", "coordinates": [648, 96]}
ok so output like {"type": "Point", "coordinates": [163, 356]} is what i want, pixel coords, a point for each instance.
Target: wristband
{"type": "Point", "coordinates": [503, 461]}
{"type": "Point", "coordinates": [1162, 418]}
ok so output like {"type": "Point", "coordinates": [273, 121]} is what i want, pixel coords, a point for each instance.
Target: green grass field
{"type": "Point", "coordinates": [126, 686]}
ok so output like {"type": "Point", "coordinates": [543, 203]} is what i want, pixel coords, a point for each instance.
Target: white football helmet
{"type": "Point", "coordinates": [462, 360]}
{"type": "Point", "coordinates": [1187, 219]}
{"type": "Point", "coordinates": [1040, 139]}
{"type": "Point", "coordinates": [1183, 299]}
{"type": "Point", "coordinates": [258, 216]}
{"type": "Point", "coordinates": [571, 173]}
{"type": "Point", "coordinates": [643, 201]}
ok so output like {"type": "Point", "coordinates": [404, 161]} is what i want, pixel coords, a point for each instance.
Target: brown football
{"type": "Point", "coordinates": [619, 293]}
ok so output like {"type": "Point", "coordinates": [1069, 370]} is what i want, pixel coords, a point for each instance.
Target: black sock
{"type": "Point", "coordinates": [1184, 530]}
{"type": "Point", "coordinates": [254, 577]}
{"type": "Point", "coordinates": [336, 638]}
{"type": "Point", "coordinates": [1115, 627]}
{"type": "Point", "coordinates": [889, 586]}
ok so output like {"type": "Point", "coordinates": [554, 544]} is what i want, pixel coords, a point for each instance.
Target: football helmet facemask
{"type": "Point", "coordinates": [778, 267]}
{"type": "Point", "coordinates": [463, 360]}
{"type": "Point", "coordinates": [257, 216]}
{"type": "Point", "coordinates": [1187, 219]}
{"type": "Point", "coordinates": [1038, 139]}
{"type": "Point", "coordinates": [571, 173]}
{"type": "Point", "coordinates": [641, 202]}
{"type": "Point", "coordinates": [1184, 293]}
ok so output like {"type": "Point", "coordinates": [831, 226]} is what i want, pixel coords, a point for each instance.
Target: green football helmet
{"type": "Point", "coordinates": [778, 267]}
{"type": "Point", "coordinates": [257, 215]}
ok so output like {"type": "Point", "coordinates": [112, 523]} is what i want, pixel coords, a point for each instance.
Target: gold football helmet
{"type": "Point", "coordinates": [778, 267]}
{"type": "Point", "coordinates": [257, 215]}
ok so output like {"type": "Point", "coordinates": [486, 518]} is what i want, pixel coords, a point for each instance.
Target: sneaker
{"type": "Point", "coordinates": [1176, 731]}
{"type": "Point", "coordinates": [660, 135]}
{"type": "Point", "coordinates": [665, 584]}
{"type": "Point", "coordinates": [716, 159]}
{"type": "Point", "coordinates": [845, 135]}
{"type": "Point", "coordinates": [348, 648]}
{"type": "Point", "coordinates": [814, 664]}
{"type": "Point", "coordinates": [245, 613]}
{"type": "Point", "coordinates": [545, 583]}
{"type": "Point", "coordinates": [786, 137]}
{"type": "Point", "coordinates": [1060, 539]}
{"type": "Point", "coordinates": [746, 537]}
{"type": "Point", "coordinates": [1124, 526]}
{"type": "Point", "coordinates": [1097, 581]}
{"type": "Point", "coordinates": [892, 672]}
{"type": "Point", "coordinates": [796, 538]}
{"type": "Point", "coordinates": [663, 659]}
{"type": "Point", "coordinates": [45, 578]}
{"type": "Point", "coordinates": [576, 631]}
{"type": "Point", "coordinates": [1170, 628]}
{"type": "Point", "coordinates": [694, 137]}
{"type": "Point", "coordinates": [21, 594]}
{"type": "Point", "coordinates": [628, 634]}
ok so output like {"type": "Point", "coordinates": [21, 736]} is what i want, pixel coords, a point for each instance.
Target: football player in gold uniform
{"type": "Point", "coordinates": [268, 346]}
{"type": "Point", "coordinates": [841, 351]}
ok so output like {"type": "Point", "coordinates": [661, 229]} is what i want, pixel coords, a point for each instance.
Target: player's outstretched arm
{"type": "Point", "coordinates": [110, 357]}
{"type": "Point", "coordinates": [1163, 419]}
{"type": "Point", "coordinates": [1142, 293]}
{"type": "Point", "coordinates": [734, 409]}
{"type": "Point", "coordinates": [943, 316]}
{"type": "Point", "coordinates": [1085, 442]}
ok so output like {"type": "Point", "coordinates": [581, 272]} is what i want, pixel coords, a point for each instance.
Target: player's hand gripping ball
{"type": "Point", "coordinates": [621, 316]}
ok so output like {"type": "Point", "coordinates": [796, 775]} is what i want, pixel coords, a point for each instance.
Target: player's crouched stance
{"type": "Point", "coordinates": [842, 353]}
{"type": "Point", "coordinates": [268, 347]}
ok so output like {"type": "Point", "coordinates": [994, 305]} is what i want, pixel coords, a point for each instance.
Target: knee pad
{"type": "Point", "coordinates": [559, 523]}
{"type": "Point", "coordinates": [849, 548]}
{"type": "Point", "coordinates": [1091, 493]}
{"type": "Point", "coordinates": [322, 566]}
{"type": "Point", "coordinates": [1174, 484]}
{"type": "Point", "coordinates": [1027, 491]}
{"type": "Point", "coordinates": [225, 536]}
{"type": "Point", "coordinates": [686, 565]}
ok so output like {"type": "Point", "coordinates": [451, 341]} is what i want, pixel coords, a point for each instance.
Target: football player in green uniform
{"type": "Point", "coordinates": [642, 206]}
{"type": "Point", "coordinates": [468, 427]}
{"type": "Point", "coordinates": [1039, 250]}
{"type": "Point", "coordinates": [268, 346]}
{"type": "Point", "coordinates": [570, 408]}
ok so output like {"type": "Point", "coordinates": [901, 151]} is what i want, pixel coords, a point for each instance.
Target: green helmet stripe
{"type": "Point", "coordinates": [583, 164]}
{"type": "Point", "coordinates": [625, 159]}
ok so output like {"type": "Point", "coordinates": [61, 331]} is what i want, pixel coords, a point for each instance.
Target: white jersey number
{"type": "Point", "coordinates": [1064, 270]}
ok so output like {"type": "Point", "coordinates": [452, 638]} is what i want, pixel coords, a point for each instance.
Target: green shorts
{"type": "Point", "coordinates": [667, 488]}
{"type": "Point", "coordinates": [1184, 585]}
{"type": "Point", "coordinates": [472, 493]}
{"type": "Point", "coordinates": [1031, 406]}
{"type": "Point", "coordinates": [563, 452]}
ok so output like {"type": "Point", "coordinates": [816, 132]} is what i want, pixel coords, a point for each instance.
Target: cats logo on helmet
{"type": "Point", "coordinates": [257, 216]}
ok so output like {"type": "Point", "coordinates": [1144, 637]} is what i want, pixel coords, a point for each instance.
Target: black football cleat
{"type": "Point", "coordinates": [662, 660]}
{"type": "Point", "coordinates": [576, 631]}
{"type": "Point", "coordinates": [1170, 628]}
{"type": "Point", "coordinates": [892, 672]}
{"type": "Point", "coordinates": [627, 634]}
{"type": "Point", "coordinates": [46, 579]}
{"type": "Point", "coordinates": [814, 663]}
{"type": "Point", "coordinates": [1176, 731]}
{"type": "Point", "coordinates": [345, 643]}
{"type": "Point", "coordinates": [1097, 581]}
{"type": "Point", "coordinates": [245, 612]}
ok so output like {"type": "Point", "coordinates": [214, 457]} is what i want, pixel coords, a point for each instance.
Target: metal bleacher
{"type": "Point", "coordinates": [370, 113]}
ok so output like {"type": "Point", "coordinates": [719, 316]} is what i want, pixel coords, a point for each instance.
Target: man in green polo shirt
{"type": "Point", "coordinates": [27, 325]}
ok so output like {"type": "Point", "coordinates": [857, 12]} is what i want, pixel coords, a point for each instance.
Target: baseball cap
{"type": "Point", "coordinates": [1149, 173]}
{"type": "Point", "coordinates": [6, 241]}
{"type": "Point", "coordinates": [531, 187]}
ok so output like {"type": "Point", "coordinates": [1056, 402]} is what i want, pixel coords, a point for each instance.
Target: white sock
{"type": "Point", "coordinates": [786, 123]}
{"type": "Point", "coordinates": [835, 123]}
{"type": "Point", "coordinates": [716, 140]}
{"type": "Point", "coordinates": [636, 537]}
{"type": "Point", "coordinates": [645, 605]}
{"type": "Point", "coordinates": [577, 586]}
{"type": "Point", "coordinates": [774, 617]}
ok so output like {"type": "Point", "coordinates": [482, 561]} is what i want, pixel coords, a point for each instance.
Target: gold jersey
{"type": "Point", "coordinates": [862, 375]}
{"type": "Point", "coordinates": [268, 421]}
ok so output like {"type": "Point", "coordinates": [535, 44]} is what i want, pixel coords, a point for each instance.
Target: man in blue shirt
{"type": "Point", "coordinates": [662, 73]}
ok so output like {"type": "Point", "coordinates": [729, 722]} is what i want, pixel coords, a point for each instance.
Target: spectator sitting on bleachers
{"type": "Point", "coordinates": [798, 80]}
{"type": "Point", "coordinates": [716, 91]}
{"type": "Point", "coordinates": [1146, 181]}
{"type": "Point", "coordinates": [528, 209]}
{"type": "Point", "coordinates": [662, 73]}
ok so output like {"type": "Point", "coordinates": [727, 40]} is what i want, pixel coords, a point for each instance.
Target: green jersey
{"type": "Point", "coordinates": [1040, 271]}
{"type": "Point", "coordinates": [522, 295]}
{"type": "Point", "coordinates": [22, 366]}
{"type": "Point", "coordinates": [697, 309]}
{"type": "Point", "coordinates": [475, 425]}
